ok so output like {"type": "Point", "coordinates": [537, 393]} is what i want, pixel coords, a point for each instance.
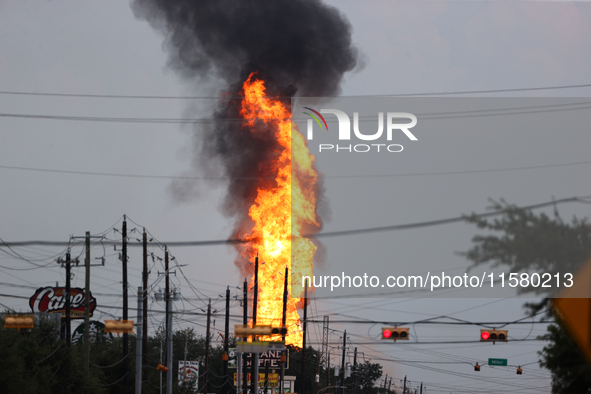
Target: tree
{"type": "Point", "coordinates": [367, 375]}
{"type": "Point", "coordinates": [530, 242]}
{"type": "Point", "coordinates": [523, 241]}
{"type": "Point", "coordinates": [570, 371]}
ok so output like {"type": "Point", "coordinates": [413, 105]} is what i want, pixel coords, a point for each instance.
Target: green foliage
{"type": "Point", "coordinates": [570, 371]}
{"type": "Point", "coordinates": [368, 373]}
{"type": "Point", "coordinates": [34, 361]}
{"type": "Point", "coordinates": [523, 241]}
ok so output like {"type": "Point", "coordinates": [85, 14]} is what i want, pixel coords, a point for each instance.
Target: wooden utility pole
{"type": "Point", "coordinates": [245, 322]}
{"type": "Point", "coordinates": [168, 298]}
{"type": "Point", "coordinates": [125, 300]}
{"type": "Point", "coordinates": [303, 384]}
{"type": "Point", "coordinates": [205, 386]}
{"type": "Point", "coordinates": [145, 299]}
{"type": "Point", "coordinates": [226, 340]}
{"type": "Point", "coordinates": [343, 361]}
{"type": "Point", "coordinates": [254, 376]}
{"type": "Point", "coordinates": [68, 300]}
{"type": "Point", "coordinates": [87, 304]}
{"type": "Point", "coordinates": [283, 321]}
{"type": "Point", "coordinates": [355, 371]}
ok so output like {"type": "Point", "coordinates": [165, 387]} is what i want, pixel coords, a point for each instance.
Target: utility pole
{"type": "Point", "coordinates": [389, 385]}
{"type": "Point", "coordinates": [254, 376]}
{"type": "Point", "coordinates": [226, 339]}
{"type": "Point", "coordinates": [207, 335]}
{"type": "Point", "coordinates": [343, 361]}
{"type": "Point", "coordinates": [355, 371]}
{"type": "Point", "coordinates": [404, 388]}
{"type": "Point", "coordinates": [68, 289]}
{"type": "Point", "coordinates": [205, 386]}
{"type": "Point", "coordinates": [145, 299]}
{"type": "Point", "coordinates": [125, 300]}
{"type": "Point", "coordinates": [245, 322]}
{"type": "Point", "coordinates": [421, 387]}
{"type": "Point", "coordinates": [303, 385]}
{"type": "Point", "coordinates": [87, 305]}
{"type": "Point", "coordinates": [138, 344]}
{"type": "Point", "coordinates": [283, 322]}
{"type": "Point", "coordinates": [168, 299]}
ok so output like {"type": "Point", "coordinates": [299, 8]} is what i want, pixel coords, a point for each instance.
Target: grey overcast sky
{"type": "Point", "coordinates": [100, 48]}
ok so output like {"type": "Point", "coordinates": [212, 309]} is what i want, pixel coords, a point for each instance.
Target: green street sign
{"type": "Point", "coordinates": [497, 361]}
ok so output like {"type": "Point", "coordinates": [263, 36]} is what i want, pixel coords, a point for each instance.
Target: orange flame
{"type": "Point", "coordinates": [282, 209]}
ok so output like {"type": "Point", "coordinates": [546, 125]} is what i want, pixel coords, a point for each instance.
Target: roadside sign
{"type": "Point", "coordinates": [497, 361]}
{"type": "Point", "coordinates": [270, 357]}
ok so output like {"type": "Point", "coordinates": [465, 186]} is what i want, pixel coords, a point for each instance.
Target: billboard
{"type": "Point", "coordinates": [53, 300]}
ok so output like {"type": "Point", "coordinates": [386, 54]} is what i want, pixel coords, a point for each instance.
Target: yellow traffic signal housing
{"type": "Point", "coordinates": [243, 330]}
{"type": "Point", "coordinates": [119, 326]}
{"type": "Point", "coordinates": [162, 368]}
{"type": "Point", "coordinates": [395, 333]}
{"type": "Point", "coordinates": [519, 370]}
{"type": "Point", "coordinates": [493, 335]}
{"type": "Point", "coordinates": [477, 367]}
{"type": "Point", "coordinates": [19, 321]}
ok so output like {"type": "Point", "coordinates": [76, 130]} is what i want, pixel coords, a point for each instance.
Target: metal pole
{"type": "Point", "coordinates": [87, 305]}
{"type": "Point", "coordinates": [169, 350]}
{"type": "Point", "coordinates": [138, 345]}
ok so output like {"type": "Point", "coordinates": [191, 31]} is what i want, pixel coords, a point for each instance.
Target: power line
{"type": "Point", "coordinates": [460, 92]}
{"type": "Point", "coordinates": [181, 177]}
{"type": "Point", "coordinates": [369, 230]}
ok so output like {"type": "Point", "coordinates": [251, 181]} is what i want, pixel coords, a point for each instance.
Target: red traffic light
{"type": "Point", "coordinates": [395, 333]}
{"type": "Point", "coordinates": [493, 335]}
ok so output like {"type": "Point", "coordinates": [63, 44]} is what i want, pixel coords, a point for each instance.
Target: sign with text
{"type": "Point", "coordinates": [498, 361]}
{"type": "Point", "coordinates": [271, 357]}
{"type": "Point", "coordinates": [53, 300]}
{"type": "Point", "coordinates": [189, 373]}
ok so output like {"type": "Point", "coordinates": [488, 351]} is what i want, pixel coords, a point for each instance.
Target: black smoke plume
{"type": "Point", "coordinates": [298, 47]}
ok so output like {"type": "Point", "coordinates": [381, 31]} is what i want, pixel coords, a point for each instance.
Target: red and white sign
{"type": "Point", "coordinates": [53, 300]}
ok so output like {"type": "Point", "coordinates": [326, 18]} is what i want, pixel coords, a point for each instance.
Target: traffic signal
{"type": "Point", "coordinates": [519, 370]}
{"type": "Point", "coordinates": [243, 330]}
{"type": "Point", "coordinates": [19, 321]}
{"type": "Point", "coordinates": [119, 326]}
{"type": "Point", "coordinates": [477, 367]}
{"type": "Point", "coordinates": [395, 333]}
{"type": "Point", "coordinates": [493, 335]}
